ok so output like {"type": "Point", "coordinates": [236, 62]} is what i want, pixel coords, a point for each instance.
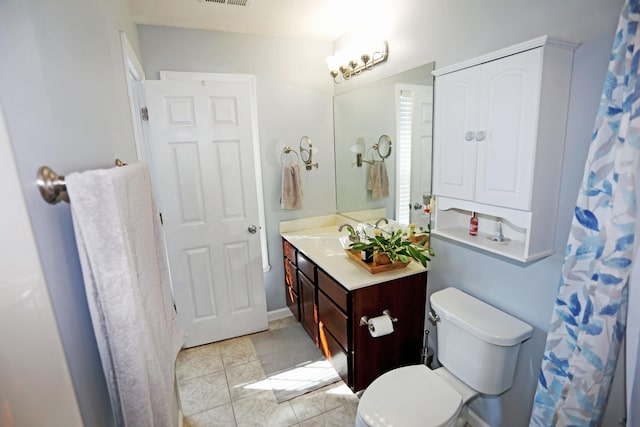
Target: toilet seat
{"type": "Point", "coordinates": [409, 396]}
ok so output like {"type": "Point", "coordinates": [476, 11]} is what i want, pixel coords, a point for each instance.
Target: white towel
{"type": "Point", "coordinates": [378, 180]}
{"type": "Point", "coordinates": [291, 187]}
{"type": "Point", "coordinates": [124, 264]}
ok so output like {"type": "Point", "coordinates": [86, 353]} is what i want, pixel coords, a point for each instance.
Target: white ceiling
{"type": "Point", "coordinates": [305, 19]}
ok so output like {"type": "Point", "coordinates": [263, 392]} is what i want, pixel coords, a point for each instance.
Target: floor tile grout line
{"type": "Point", "coordinates": [233, 410]}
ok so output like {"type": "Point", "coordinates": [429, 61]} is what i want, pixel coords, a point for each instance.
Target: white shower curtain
{"type": "Point", "coordinates": [590, 313]}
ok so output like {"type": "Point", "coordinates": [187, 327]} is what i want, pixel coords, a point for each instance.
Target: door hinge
{"type": "Point", "coordinates": [161, 220]}
{"type": "Point", "coordinates": [144, 114]}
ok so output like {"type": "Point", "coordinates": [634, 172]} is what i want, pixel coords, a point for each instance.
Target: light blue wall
{"type": "Point", "coordinates": [64, 97]}
{"type": "Point", "coordinates": [294, 94]}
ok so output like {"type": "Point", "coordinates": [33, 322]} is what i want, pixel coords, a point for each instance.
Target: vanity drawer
{"type": "Point", "coordinates": [289, 251]}
{"type": "Point", "coordinates": [333, 319]}
{"type": "Point", "coordinates": [307, 267]}
{"type": "Point", "coordinates": [335, 291]}
{"type": "Point", "coordinates": [334, 352]}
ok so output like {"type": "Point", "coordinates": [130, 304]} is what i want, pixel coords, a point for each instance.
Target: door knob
{"type": "Point", "coordinates": [252, 229]}
{"type": "Point", "coordinates": [469, 136]}
{"type": "Point", "coordinates": [480, 136]}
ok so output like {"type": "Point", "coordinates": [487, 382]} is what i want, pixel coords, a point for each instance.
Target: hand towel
{"type": "Point", "coordinates": [126, 277]}
{"type": "Point", "coordinates": [384, 180]}
{"type": "Point", "coordinates": [379, 180]}
{"type": "Point", "coordinates": [291, 187]}
{"type": "Point", "coordinates": [370, 177]}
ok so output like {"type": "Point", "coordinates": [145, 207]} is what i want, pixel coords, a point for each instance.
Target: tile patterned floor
{"type": "Point", "coordinates": [219, 385]}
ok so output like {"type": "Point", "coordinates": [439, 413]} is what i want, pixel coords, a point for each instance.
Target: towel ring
{"type": "Point", "coordinates": [287, 151]}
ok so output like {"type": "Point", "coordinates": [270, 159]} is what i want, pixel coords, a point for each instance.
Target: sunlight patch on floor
{"type": "Point", "coordinates": [298, 378]}
{"type": "Point", "coordinates": [341, 390]}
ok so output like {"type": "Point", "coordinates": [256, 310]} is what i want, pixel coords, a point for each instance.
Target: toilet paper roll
{"type": "Point", "coordinates": [379, 326]}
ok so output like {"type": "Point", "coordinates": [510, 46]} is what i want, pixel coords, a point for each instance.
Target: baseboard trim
{"type": "Point", "coordinates": [280, 313]}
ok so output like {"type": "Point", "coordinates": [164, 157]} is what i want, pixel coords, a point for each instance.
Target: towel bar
{"type": "Point", "coordinates": [53, 188]}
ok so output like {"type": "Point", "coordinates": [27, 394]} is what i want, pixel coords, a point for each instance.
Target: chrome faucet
{"type": "Point", "coordinates": [386, 221]}
{"type": "Point", "coordinates": [353, 234]}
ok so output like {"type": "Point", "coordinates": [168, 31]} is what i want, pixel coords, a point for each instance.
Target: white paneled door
{"type": "Point", "coordinates": [203, 161]}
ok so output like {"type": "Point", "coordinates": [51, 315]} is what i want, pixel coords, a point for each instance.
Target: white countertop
{"type": "Point", "coordinates": [325, 246]}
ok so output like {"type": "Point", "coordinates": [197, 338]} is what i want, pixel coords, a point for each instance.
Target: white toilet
{"type": "Point", "coordinates": [477, 347]}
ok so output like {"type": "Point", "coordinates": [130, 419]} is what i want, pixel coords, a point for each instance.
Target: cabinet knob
{"type": "Point", "coordinates": [480, 136]}
{"type": "Point", "coordinates": [469, 136]}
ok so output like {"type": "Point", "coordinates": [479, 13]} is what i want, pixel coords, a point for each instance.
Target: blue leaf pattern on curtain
{"type": "Point", "coordinates": [588, 321]}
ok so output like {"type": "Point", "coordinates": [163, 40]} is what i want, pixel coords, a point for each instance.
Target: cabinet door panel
{"type": "Point", "coordinates": [291, 288]}
{"type": "Point", "coordinates": [308, 313]}
{"type": "Point", "coordinates": [333, 319]}
{"type": "Point", "coordinates": [338, 357]}
{"type": "Point", "coordinates": [509, 99]}
{"type": "Point", "coordinates": [454, 157]}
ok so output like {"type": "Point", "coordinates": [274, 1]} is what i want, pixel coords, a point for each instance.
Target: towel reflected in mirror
{"type": "Point", "coordinates": [378, 180]}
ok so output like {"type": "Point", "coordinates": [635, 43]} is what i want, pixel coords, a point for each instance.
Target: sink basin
{"type": "Point", "coordinates": [327, 245]}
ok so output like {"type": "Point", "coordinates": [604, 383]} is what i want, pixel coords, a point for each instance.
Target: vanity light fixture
{"type": "Point", "coordinates": [344, 65]}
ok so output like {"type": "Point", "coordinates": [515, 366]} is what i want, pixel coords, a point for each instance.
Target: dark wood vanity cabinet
{"type": "Point", "coordinates": [331, 315]}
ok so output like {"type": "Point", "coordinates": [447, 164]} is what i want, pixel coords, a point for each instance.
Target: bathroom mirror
{"type": "Point", "coordinates": [396, 115]}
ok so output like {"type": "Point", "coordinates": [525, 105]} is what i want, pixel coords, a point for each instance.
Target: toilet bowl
{"type": "Point", "coordinates": [477, 347]}
{"type": "Point", "coordinates": [412, 396]}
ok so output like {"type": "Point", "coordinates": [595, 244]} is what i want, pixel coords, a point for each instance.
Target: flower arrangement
{"type": "Point", "coordinates": [395, 245]}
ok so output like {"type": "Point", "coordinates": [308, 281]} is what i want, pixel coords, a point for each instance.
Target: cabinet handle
{"type": "Point", "coordinates": [469, 136]}
{"type": "Point", "coordinates": [480, 136]}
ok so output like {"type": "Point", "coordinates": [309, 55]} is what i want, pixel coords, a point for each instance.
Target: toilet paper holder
{"type": "Point", "coordinates": [365, 319]}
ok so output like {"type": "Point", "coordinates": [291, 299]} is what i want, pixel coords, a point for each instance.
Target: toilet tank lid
{"type": "Point", "coordinates": [479, 318]}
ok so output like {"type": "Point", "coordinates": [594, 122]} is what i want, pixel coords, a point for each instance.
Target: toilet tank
{"type": "Point", "coordinates": [477, 342]}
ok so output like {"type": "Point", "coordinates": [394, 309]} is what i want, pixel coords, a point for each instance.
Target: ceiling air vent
{"type": "Point", "coordinates": [232, 2]}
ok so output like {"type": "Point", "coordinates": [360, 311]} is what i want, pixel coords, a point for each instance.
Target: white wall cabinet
{"type": "Point", "coordinates": [499, 130]}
